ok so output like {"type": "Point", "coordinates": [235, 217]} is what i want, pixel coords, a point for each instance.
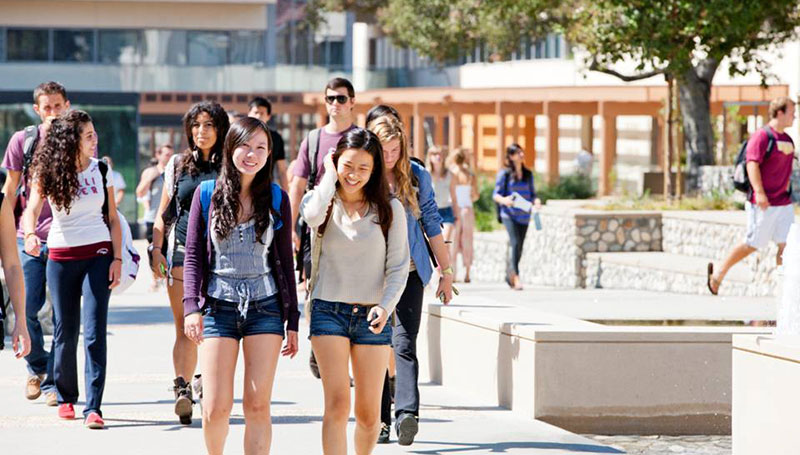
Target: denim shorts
{"type": "Point", "coordinates": [346, 320]}
{"type": "Point", "coordinates": [446, 213]}
{"type": "Point", "coordinates": [222, 319]}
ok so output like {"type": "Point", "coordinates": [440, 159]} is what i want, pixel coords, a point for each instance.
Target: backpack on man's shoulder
{"type": "Point", "coordinates": [31, 139]}
{"type": "Point", "coordinates": [130, 257]}
{"type": "Point", "coordinates": [741, 182]}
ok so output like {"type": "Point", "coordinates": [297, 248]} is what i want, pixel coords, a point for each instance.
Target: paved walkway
{"type": "Point", "coordinates": [138, 405]}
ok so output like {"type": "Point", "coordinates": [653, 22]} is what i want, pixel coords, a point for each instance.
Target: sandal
{"type": "Point", "coordinates": [711, 280]}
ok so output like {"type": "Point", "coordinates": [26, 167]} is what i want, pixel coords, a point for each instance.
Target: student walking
{"type": "Point", "coordinates": [239, 285]}
{"type": "Point", "coordinates": [49, 101]}
{"type": "Point", "coordinates": [411, 184]}
{"type": "Point", "coordinates": [85, 243]}
{"type": "Point", "coordinates": [513, 179]}
{"type": "Point", "coordinates": [261, 109]}
{"type": "Point", "coordinates": [360, 267]}
{"type": "Point", "coordinates": [466, 192]}
{"type": "Point", "coordinates": [151, 185]}
{"type": "Point", "coordinates": [769, 210]}
{"type": "Point", "coordinates": [206, 125]}
{"type": "Point", "coordinates": [444, 188]}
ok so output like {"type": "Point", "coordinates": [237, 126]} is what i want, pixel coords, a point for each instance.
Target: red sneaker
{"type": "Point", "coordinates": [66, 411]}
{"type": "Point", "coordinates": [94, 421]}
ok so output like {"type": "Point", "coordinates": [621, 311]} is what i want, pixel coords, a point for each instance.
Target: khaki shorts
{"type": "Point", "coordinates": [770, 224]}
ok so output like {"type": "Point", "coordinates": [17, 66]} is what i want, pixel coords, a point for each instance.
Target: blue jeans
{"type": "Point", "coordinates": [69, 280]}
{"type": "Point", "coordinates": [40, 362]}
{"type": "Point", "coordinates": [346, 320]}
{"type": "Point", "coordinates": [222, 319]}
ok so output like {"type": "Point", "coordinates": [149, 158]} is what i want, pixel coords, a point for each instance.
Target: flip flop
{"type": "Point", "coordinates": [711, 279]}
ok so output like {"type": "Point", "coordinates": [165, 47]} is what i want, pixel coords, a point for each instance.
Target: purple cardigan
{"type": "Point", "coordinates": [198, 260]}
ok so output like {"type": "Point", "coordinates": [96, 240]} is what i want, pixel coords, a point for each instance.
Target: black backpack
{"type": "Point", "coordinates": [28, 147]}
{"type": "Point", "coordinates": [741, 182]}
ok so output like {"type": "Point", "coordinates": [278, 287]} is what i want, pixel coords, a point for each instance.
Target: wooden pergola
{"type": "Point", "coordinates": [499, 116]}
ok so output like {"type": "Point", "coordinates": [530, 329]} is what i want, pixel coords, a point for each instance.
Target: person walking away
{"type": "Point", "coordinates": [239, 285]}
{"type": "Point", "coordinates": [466, 192]}
{"type": "Point", "coordinates": [206, 125]}
{"type": "Point", "coordinates": [49, 101]}
{"type": "Point", "coordinates": [85, 243]}
{"type": "Point", "coordinates": [769, 210]}
{"type": "Point", "coordinates": [116, 179]}
{"type": "Point", "coordinates": [444, 188]}
{"type": "Point", "coordinates": [515, 179]}
{"type": "Point", "coordinates": [261, 109]}
{"type": "Point", "coordinates": [358, 278]}
{"type": "Point", "coordinates": [150, 186]}
{"type": "Point", "coordinates": [411, 184]}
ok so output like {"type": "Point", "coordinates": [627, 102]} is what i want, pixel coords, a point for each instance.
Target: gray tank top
{"type": "Point", "coordinates": [441, 189]}
{"type": "Point", "coordinates": [156, 188]}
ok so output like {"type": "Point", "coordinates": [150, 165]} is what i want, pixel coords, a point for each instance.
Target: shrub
{"type": "Point", "coordinates": [574, 186]}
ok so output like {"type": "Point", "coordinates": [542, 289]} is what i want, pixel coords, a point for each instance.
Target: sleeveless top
{"type": "Point", "coordinates": [441, 190]}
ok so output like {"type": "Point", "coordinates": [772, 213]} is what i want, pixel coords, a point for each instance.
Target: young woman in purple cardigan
{"type": "Point", "coordinates": [239, 285]}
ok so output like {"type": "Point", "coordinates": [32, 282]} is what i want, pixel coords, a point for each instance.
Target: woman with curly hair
{"type": "Point", "coordinates": [85, 258]}
{"type": "Point", "coordinates": [239, 284]}
{"type": "Point", "coordinates": [411, 184]}
{"type": "Point", "coordinates": [357, 277]}
{"type": "Point", "coordinates": [205, 124]}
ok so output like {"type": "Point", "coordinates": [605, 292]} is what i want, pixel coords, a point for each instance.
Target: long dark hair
{"type": "Point", "coordinates": [511, 150]}
{"type": "Point", "coordinates": [229, 182]}
{"type": "Point", "coordinates": [191, 157]}
{"type": "Point", "coordinates": [56, 165]}
{"type": "Point", "coordinates": [376, 191]}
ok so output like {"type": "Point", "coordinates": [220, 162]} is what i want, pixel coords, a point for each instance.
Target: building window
{"type": "Point", "coordinates": [161, 47]}
{"type": "Point", "coordinates": [247, 47]}
{"type": "Point", "coordinates": [119, 47]}
{"type": "Point", "coordinates": [73, 46]}
{"type": "Point", "coordinates": [336, 54]}
{"type": "Point", "coordinates": [208, 48]}
{"type": "Point", "coordinates": [27, 45]}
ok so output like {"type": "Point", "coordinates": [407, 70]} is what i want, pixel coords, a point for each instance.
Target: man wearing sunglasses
{"type": "Point", "coordinates": [339, 98]}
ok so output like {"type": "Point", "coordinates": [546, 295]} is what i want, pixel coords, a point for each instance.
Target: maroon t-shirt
{"type": "Point", "coordinates": [327, 145]}
{"type": "Point", "coordinates": [776, 170]}
{"type": "Point", "coordinates": [13, 161]}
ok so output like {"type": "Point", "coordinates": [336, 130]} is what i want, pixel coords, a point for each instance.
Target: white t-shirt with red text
{"type": "Point", "coordinates": [82, 233]}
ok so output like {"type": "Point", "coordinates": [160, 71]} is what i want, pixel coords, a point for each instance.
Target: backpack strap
{"type": "Point", "coordinates": [277, 195]}
{"type": "Point", "coordinates": [206, 190]}
{"type": "Point", "coordinates": [28, 147]}
{"type": "Point", "coordinates": [313, 151]}
{"type": "Point", "coordinates": [771, 143]}
{"type": "Point", "coordinates": [104, 172]}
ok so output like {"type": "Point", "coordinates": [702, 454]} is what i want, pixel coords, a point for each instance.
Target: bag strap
{"type": "Point", "coordinates": [771, 143]}
{"type": "Point", "coordinates": [277, 196]}
{"type": "Point", "coordinates": [28, 147]}
{"type": "Point", "coordinates": [104, 172]}
{"type": "Point", "coordinates": [313, 151]}
{"type": "Point", "coordinates": [206, 191]}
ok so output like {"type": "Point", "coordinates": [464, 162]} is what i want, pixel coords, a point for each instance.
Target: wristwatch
{"type": "Point", "coordinates": [448, 270]}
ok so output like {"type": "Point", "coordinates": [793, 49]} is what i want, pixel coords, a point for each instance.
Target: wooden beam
{"type": "Point", "coordinates": [292, 149]}
{"type": "Point", "coordinates": [438, 129]}
{"type": "Point", "coordinates": [454, 130]}
{"type": "Point", "coordinates": [552, 149]}
{"type": "Point", "coordinates": [609, 138]}
{"type": "Point", "coordinates": [419, 140]}
{"type": "Point", "coordinates": [501, 133]}
{"type": "Point", "coordinates": [529, 135]}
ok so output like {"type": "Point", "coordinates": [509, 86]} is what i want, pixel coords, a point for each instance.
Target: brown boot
{"type": "Point", "coordinates": [33, 386]}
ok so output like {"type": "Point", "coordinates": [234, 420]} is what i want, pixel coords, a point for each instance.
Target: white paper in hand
{"type": "Point", "coordinates": [521, 203]}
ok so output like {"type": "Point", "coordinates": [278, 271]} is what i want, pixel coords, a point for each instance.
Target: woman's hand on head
{"type": "Point", "coordinates": [327, 163]}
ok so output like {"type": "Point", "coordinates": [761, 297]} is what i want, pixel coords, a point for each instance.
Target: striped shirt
{"type": "Point", "coordinates": [508, 184]}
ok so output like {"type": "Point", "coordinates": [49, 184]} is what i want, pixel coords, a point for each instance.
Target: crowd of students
{"type": "Point", "coordinates": [367, 225]}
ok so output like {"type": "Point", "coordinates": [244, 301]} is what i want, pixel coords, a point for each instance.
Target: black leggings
{"type": "Point", "coordinates": [516, 235]}
{"type": "Point", "coordinates": [408, 315]}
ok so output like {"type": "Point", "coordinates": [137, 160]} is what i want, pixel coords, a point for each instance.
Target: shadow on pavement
{"type": "Point", "coordinates": [139, 315]}
{"type": "Point", "coordinates": [234, 420]}
{"type": "Point", "coordinates": [237, 400]}
{"type": "Point", "coordinates": [503, 447]}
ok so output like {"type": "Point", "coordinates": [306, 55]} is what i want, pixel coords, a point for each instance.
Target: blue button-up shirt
{"type": "Point", "coordinates": [429, 220]}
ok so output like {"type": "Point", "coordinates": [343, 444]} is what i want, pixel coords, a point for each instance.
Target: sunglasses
{"type": "Point", "coordinates": [341, 99]}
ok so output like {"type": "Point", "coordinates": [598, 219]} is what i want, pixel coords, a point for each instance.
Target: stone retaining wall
{"type": "Point", "coordinates": [555, 256]}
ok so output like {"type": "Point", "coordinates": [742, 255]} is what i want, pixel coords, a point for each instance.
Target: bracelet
{"type": "Point", "coordinates": [448, 270]}
{"type": "Point", "coordinates": [156, 248]}
{"type": "Point", "coordinates": [117, 259]}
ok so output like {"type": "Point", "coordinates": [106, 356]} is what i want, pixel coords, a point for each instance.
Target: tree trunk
{"type": "Point", "coordinates": [695, 103]}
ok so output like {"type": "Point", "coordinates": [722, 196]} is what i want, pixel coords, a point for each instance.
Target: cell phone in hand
{"type": "Point", "coordinates": [373, 321]}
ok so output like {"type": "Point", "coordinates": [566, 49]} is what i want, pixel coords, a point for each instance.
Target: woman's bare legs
{"type": "Point", "coordinates": [466, 243]}
{"type": "Point", "coordinates": [261, 354]}
{"type": "Point", "coordinates": [333, 355]}
{"type": "Point", "coordinates": [369, 370]}
{"type": "Point", "coordinates": [184, 351]}
{"type": "Point", "coordinates": [218, 363]}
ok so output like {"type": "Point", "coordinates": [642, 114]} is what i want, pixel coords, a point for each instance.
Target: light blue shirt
{"type": "Point", "coordinates": [429, 220]}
